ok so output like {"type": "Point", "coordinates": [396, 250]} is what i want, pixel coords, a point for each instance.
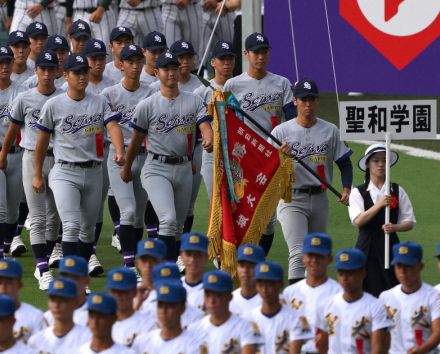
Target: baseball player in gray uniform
{"type": "Point", "coordinates": [25, 112]}
{"type": "Point", "coordinates": [141, 16]}
{"type": "Point", "coordinates": [79, 34]}
{"type": "Point", "coordinates": [154, 44]}
{"type": "Point", "coordinates": [18, 41]}
{"type": "Point", "coordinates": [317, 143]}
{"type": "Point", "coordinates": [223, 62]}
{"type": "Point", "coordinates": [267, 97]}
{"type": "Point", "coordinates": [119, 38]}
{"type": "Point", "coordinates": [28, 11]}
{"type": "Point", "coordinates": [130, 197]}
{"type": "Point", "coordinates": [75, 120]}
{"type": "Point", "coordinates": [10, 167]}
{"type": "Point", "coordinates": [168, 118]}
{"type": "Point", "coordinates": [37, 32]}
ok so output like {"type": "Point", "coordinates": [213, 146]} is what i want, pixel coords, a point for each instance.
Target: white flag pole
{"type": "Point", "coordinates": [387, 192]}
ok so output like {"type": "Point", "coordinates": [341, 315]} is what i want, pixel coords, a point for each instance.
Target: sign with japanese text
{"type": "Point", "coordinates": [370, 120]}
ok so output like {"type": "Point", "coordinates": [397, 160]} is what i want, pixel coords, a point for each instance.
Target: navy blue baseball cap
{"type": "Point", "coordinates": [16, 37]}
{"type": "Point", "coordinates": [37, 28]}
{"type": "Point", "coordinates": [171, 292]}
{"type": "Point", "coordinates": [74, 265]}
{"type": "Point", "coordinates": [154, 40]}
{"type": "Point", "coordinates": [7, 306]}
{"type": "Point", "coordinates": [57, 42]}
{"type": "Point", "coordinates": [217, 281]}
{"type": "Point", "coordinates": [152, 247]}
{"type": "Point", "coordinates": [6, 53]}
{"type": "Point", "coordinates": [95, 48]}
{"type": "Point", "coordinates": [63, 287]}
{"type": "Point", "coordinates": [166, 59]}
{"type": "Point", "coordinates": [120, 31]}
{"type": "Point", "coordinates": [181, 47]}
{"type": "Point", "coordinates": [409, 253]}
{"type": "Point", "coordinates": [130, 51]}
{"type": "Point", "coordinates": [318, 243]}
{"type": "Point", "coordinates": [76, 62]}
{"type": "Point", "coordinates": [194, 241]}
{"type": "Point", "coordinates": [256, 41]}
{"type": "Point", "coordinates": [269, 271]}
{"type": "Point", "coordinates": [46, 59]}
{"type": "Point", "coordinates": [80, 28]}
{"type": "Point", "coordinates": [222, 49]}
{"type": "Point", "coordinates": [350, 259]}
{"type": "Point", "coordinates": [102, 303]}
{"type": "Point", "coordinates": [121, 279]}
{"type": "Point", "coordinates": [250, 253]}
{"type": "Point", "coordinates": [305, 88]}
{"type": "Point", "coordinates": [10, 268]}
{"type": "Point", "coordinates": [166, 271]}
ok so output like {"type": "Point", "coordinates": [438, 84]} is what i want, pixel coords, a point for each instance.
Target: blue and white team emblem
{"type": "Point", "coordinates": [260, 38]}
{"type": "Point", "coordinates": [122, 29]}
{"type": "Point", "coordinates": [225, 45]}
{"type": "Point", "coordinates": [168, 55]}
{"type": "Point", "coordinates": [185, 45]}
{"type": "Point", "coordinates": [19, 34]}
{"type": "Point", "coordinates": [3, 50]}
{"type": "Point", "coordinates": [39, 25]}
{"type": "Point", "coordinates": [58, 40]}
{"type": "Point", "coordinates": [307, 85]}
{"type": "Point", "coordinates": [47, 56]}
{"type": "Point", "coordinates": [157, 39]}
{"type": "Point", "coordinates": [97, 45]}
{"type": "Point", "coordinates": [81, 26]}
{"type": "Point", "coordinates": [79, 59]}
{"type": "Point", "coordinates": [132, 47]}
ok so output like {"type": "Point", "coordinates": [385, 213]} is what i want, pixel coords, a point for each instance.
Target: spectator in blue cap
{"type": "Point", "coordinates": [19, 43]}
{"type": "Point", "coordinates": [63, 334]}
{"type": "Point", "coordinates": [28, 319]}
{"type": "Point", "coordinates": [246, 297]}
{"type": "Point", "coordinates": [121, 282]}
{"type": "Point", "coordinates": [353, 317]}
{"type": "Point", "coordinates": [194, 254]}
{"type": "Point", "coordinates": [102, 317]}
{"type": "Point", "coordinates": [413, 305]}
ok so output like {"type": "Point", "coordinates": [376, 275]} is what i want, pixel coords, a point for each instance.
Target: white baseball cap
{"type": "Point", "coordinates": [371, 150]}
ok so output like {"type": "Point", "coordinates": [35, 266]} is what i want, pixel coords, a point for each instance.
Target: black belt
{"type": "Point", "coordinates": [138, 9]}
{"type": "Point", "coordinates": [87, 9]}
{"type": "Point", "coordinates": [49, 152]}
{"type": "Point", "coordinates": [172, 160]}
{"type": "Point", "coordinates": [84, 164]}
{"type": "Point", "coordinates": [14, 149]}
{"type": "Point", "coordinates": [309, 190]}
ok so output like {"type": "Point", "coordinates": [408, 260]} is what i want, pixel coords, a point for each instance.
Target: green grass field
{"type": "Point", "coordinates": [418, 176]}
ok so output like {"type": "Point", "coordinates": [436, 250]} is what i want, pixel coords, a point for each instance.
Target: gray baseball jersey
{"type": "Point", "coordinates": [112, 72]}
{"type": "Point", "coordinates": [20, 78]}
{"type": "Point", "coordinates": [30, 63]}
{"type": "Point", "coordinates": [76, 126]}
{"type": "Point", "coordinates": [263, 99]}
{"type": "Point", "coordinates": [32, 81]}
{"type": "Point", "coordinates": [6, 98]}
{"type": "Point", "coordinates": [147, 78]}
{"type": "Point", "coordinates": [170, 124]}
{"type": "Point", "coordinates": [25, 111]}
{"type": "Point", "coordinates": [124, 101]}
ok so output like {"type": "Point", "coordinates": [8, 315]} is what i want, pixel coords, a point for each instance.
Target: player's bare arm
{"type": "Point", "coordinates": [380, 341]}
{"type": "Point", "coordinates": [118, 142]}
{"type": "Point", "coordinates": [208, 5]}
{"type": "Point", "coordinates": [367, 215]}
{"type": "Point", "coordinates": [207, 134]}
{"type": "Point", "coordinates": [133, 3]}
{"type": "Point", "coordinates": [401, 227]}
{"type": "Point", "coordinates": [249, 349]}
{"type": "Point", "coordinates": [43, 139]}
{"type": "Point", "coordinates": [132, 152]}
{"type": "Point", "coordinates": [96, 16]}
{"type": "Point", "coordinates": [431, 343]}
{"type": "Point", "coordinates": [323, 343]}
{"type": "Point", "coordinates": [181, 4]}
{"type": "Point", "coordinates": [345, 196]}
{"type": "Point", "coordinates": [295, 347]}
{"type": "Point", "coordinates": [34, 10]}
{"type": "Point", "coordinates": [7, 143]}
{"type": "Point", "coordinates": [286, 148]}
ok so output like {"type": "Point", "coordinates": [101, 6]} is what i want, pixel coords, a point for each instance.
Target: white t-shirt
{"type": "Point", "coordinates": [437, 287]}
{"type": "Point", "coordinates": [28, 321]}
{"type": "Point", "coordinates": [229, 337]}
{"type": "Point", "coordinates": [47, 342]}
{"type": "Point", "coordinates": [19, 348]}
{"type": "Point", "coordinates": [195, 295]}
{"type": "Point", "coordinates": [302, 296]}
{"type": "Point", "coordinates": [241, 305]}
{"type": "Point", "coordinates": [152, 343]}
{"type": "Point", "coordinates": [411, 315]}
{"type": "Point", "coordinates": [350, 324]}
{"type": "Point", "coordinates": [114, 349]}
{"type": "Point", "coordinates": [124, 332]}
{"type": "Point", "coordinates": [80, 316]}
{"type": "Point", "coordinates": [281, 329]}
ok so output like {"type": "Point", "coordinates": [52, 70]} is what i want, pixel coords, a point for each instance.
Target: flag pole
{"type": "Point", "coordinates": [387, 192]}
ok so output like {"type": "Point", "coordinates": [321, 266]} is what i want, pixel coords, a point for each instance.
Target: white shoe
{"type": "Point", "coordinates": [180, 265]}
{"type": "Point", "coordinates": [37, 273]}
{"type": "Point", "coordinates": [95, 268]}
{"type": "Point", "coordinates": [55, 257]}
{"type": "Point", "coordinates": [44, 281]}
{"type": "Point", "coordinates": [115, 242]}
{"type": "Point", "coordinates": [17, 247]}
{"type": "Point", "coordinates": [27, 224]}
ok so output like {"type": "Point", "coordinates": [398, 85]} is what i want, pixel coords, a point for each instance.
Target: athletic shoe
{"type": "Point", "coordinates": [37, 273]}
{"type": "Point", "coordinates": [180, 265]}
{"type": "Point", "coordinates": [55, 257]}
{"type": "Point", "coordinates": [95, 268]}
{"type": "Point", "coordinates": [44, 281]}
{"type": "Point", "coordinates": [27, 223]}
{"type": "Point", "coordinates": [17, 247]}
{"type": "Point", "coordinates": [115, 242]}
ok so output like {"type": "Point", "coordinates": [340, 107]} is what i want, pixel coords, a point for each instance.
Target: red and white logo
{"type": "Point", "coordinates": [399, 29]}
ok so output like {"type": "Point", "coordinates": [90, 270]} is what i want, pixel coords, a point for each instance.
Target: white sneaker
{"type": "Point", "coordinates": [95, 268]}
{"type": "Point", "coordinates": [55, 257]}
{"type": "Point", "coordinates": [115, 242]}
{"type": "Point", "coordinates": [44, 281]}
{"type": "Point", "coordinates": [27, 224]}
{"type": "Point", "coordinates": [180, 265]}
{"type": "Point", "coordinates": [17, 247]}
{"type": "Point", "coordinates": [37, 273]}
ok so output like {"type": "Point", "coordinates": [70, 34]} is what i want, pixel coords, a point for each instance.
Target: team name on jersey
{"type": "Point", "coordinates": [72, 124]}
{"type": "Point", "coordinates": [309, 149]}
{"type": "Point", "coordinates": [126, 112]}
{"type": "Point", "coordinates": [33, 118]}
{"type": "Point", "coordinates": [4, 109]}
{"type": "Point", "coordinates": [168, 123]}
{"type": "Point", "coordinates": [251, 102]}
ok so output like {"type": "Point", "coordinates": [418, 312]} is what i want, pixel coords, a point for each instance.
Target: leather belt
{"type": "Point", "coordinates": [172, 160]}
{"type": "Point", "coordinates": [14, 149]}
{"type": "Point", "coordinates": [87, 9]}
{"type": "Point", "coordinates": [309, 190]}
{"type": "Point", "coordinates": [84, 164]}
